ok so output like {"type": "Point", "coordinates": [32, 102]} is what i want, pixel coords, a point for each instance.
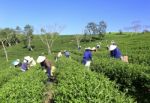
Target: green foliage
{"type": "Point", "coordinates": [25, 88]}
{"type": "Point", "coordinates": [95, 29]}
{"type": "Point", "coordinates": [7, 74]}
{"type": "Point", "coordinates": [76, 85]}
{"type": "Point", "coordinates": [132, 78]}
{"type": "Point", "coordinates": [9, 36]}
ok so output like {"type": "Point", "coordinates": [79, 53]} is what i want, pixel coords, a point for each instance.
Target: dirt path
{"type": "Point", "coordinates": [49, 91]}
{"type": "Point", "coordinates": [48, 97]}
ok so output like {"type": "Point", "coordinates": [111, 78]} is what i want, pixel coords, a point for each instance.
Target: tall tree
{"type": "Point", "coordinates": [18, 29]}
{"type": "Point", "coordinates": [14, 38]}
{"type": "Point", "coordinates": [136, 26]}
{"type": "Point", "coordinates": [78, 39]}
{"type": "Point", "coordinates": [49, 34]}
{"type": "Point", "coordinates": [102, 29]}
{"type": "Point", "coordinates": [10, 36]}
{"type": "Point", "coordinates": [28, 30]}
{"type": "Point", "coordinates": [91, 29]}
{"type": "Point", "coordinates": [98, 29]}
{"type": "Point", "coordinates": [3, 40]}
{"type": "Point", "coordinates": [146, 28]}
{"type": "Point", "coordinates": [85, 34]}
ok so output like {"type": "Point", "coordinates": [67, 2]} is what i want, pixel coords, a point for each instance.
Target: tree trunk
{"type": "Point", "coordinates": [90, 37]}
{"type": "Point", "coordinates": [5, 51]}
{"type": "Point", "coordinates": [78, 43]}
{"type": "Point", "coordinates": [16, 42]}
{"type": "Point", "coordinates": [29, 43]}
{"type": "Point", "coordinates": [48, 47]}
{"type": "Point", "coordinates": [9, 44]}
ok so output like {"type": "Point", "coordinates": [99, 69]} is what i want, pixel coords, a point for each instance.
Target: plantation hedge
{"type": "Point", "coordinates": [78, 85]}
{"type": "Point", "coordinates": [28, 87]}
{"type": "Point", "coordinates": [132, 78]}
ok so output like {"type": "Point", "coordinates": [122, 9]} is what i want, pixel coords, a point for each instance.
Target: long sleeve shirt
{"type": "Point", "coordinates": [115, 53]}
{"type": "Point", "coordinates": [87, 55]}
{"type": "Point", "coordinates": [46, 64]}
{"type": "Point", "coordinates": [24, 66]}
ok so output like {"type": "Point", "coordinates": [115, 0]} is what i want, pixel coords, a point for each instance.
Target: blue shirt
{"type": "Point", "coordinates": [115, 53]}
{"type": "Point", "coordinates": [24, 66]}
{"type": "Point", "coordinates": [67, 54]}
{"type": "Point", "coordinates": [87, 56]}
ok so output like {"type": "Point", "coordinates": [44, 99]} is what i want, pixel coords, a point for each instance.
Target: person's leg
{"type": "Point", "coordinates": [87, 65]}
{"type": "Point", "coordinates": [56, 59]}
{"type": "Point", "coordinates": [84, 61]}
{"type": "Point", "coordinates": [49, 73]}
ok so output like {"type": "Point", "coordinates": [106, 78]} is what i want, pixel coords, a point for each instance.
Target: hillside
{"type": "Point", "coordinates": [108, 81]}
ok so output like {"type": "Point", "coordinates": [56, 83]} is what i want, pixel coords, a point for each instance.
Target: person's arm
{"type": "Point", "coordinates": [112, 53]}
{"type": "Point", "coordinates": [84, 55]}
{"type": "Point", "coordinates": [118, 53]}
{"type": "Point", "coordinates": [48, 64]}
{"type": "Point", "coordinates": [90, 56]}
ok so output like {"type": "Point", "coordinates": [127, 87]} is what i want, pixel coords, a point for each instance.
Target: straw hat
{"type": "Point", "coordinates": [112, 47]}
{"type": "Point", "coordinates": [40, 59]}
{"type": "Point", "coordinates": [15, 63]}
{"type": "Point", "coordinates": [28, 58]}
{"type": "Point", "coordinates": [88, 48]}
{"type": "Point", "coordinates": [25, 61]}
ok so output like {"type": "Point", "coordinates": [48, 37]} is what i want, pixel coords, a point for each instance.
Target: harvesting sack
{"type": "Point", "coordinates": [124, 59]}
{"type": "Point", "coordinates": [53, 69]}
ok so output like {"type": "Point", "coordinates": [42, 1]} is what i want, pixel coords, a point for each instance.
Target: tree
{"type": "Point", "coordinates": [28, 30]}
{"type": "Point", "coordinates": [146, 28]}
{"type": "Point", "coordinates": [85, 34]}
{"type": "Point", "coordinates": [2, 40]}
{"type": "Point", "coordinates": [18, 30]}
{"type": "Point", "coordinates": [78, 39]}
{"type": "Point", "coordinates": [14, 39]}
{"type": "Point", "coordinates": [91, 29]}
{"type": "Point", "coordinates": [120, 31]}
{"type": "Point", "coordinates": [96, 29]}
{"type": "Point", "coordinates": [7, 32]}
{"type": "Point", "coordinates": [10, 36]}
{"type": "Point", "coordinates": [102, 28]}
{"type": "Point", "coordinates": [49, 34]}
{"type": "Point", "coordinates": [136, 26]}
{"type": "Point", "coordinates": [5, 51]}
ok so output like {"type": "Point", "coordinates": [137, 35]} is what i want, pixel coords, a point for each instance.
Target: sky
{"type": "Point", "coordinates": [73, 15]}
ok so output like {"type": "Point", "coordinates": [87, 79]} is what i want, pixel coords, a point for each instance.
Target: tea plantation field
{"type": "Point", "coordinates": [108, 80]}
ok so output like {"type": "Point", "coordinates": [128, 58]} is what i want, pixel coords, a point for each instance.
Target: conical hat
{"type": "Point", "coordinates": [88, 48]}
{"type": "Point", "coordinates": [27, 58]}
{"type": "Point", "coordinates": [112, 47]}
{"type": "Point", "coordinates": [41, 59]}
{"type": "Point", "coordinates": [15, 63]}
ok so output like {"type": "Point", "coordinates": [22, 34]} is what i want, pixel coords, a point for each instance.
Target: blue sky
{"type": "Point", "coordinates": [73, 14]}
